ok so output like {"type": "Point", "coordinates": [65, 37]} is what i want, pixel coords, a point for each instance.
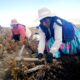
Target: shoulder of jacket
{"type": "Point", "coordinates": [59, 21]}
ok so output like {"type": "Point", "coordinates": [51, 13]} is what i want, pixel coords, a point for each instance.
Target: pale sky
{"type": "Point", "coordinates": [25, 11]}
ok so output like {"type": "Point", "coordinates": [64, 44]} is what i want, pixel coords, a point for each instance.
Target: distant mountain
{"type": "Point", "coordinates": [75, 21]}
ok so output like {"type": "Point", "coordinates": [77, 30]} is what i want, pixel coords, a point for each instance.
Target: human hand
{"type": "Point", "coordinates": [40, 55]}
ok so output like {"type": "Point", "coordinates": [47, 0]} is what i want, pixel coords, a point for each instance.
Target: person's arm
{"type": "Point", "coordinates": [57, 37]}
{"type": "Point", "coordinates": [28, 33]}
{"type": "Point", "coordinates": [41, 45]}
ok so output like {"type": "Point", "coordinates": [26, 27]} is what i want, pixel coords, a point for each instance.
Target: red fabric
{"type": "Point", "coordinates": [20, 29]}
{"type": "Point", "coordinates": [15, 31]}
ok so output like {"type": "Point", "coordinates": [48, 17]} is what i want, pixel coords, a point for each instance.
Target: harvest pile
{"type": "Point", "coordinates": [58, 71]}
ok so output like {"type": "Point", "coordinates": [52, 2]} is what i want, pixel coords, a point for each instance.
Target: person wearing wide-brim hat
{"type": "Point", "coordinates": [18, 30]}
{"type": "Point", "coordinates": [61, 37]}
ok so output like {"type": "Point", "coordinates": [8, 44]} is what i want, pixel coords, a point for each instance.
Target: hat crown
{"type": "Point", "coordinates": [44, 12]}
{"type": "Point", "coordinates": [14, 21]}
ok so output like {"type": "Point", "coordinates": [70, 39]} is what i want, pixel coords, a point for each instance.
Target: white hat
{"type": "Point", "coordinates": [44, 12]}
{"type": "Point", "coordinates": [14, 21]}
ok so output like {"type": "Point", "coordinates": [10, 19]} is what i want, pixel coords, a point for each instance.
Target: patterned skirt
{"type": "Point", "coordinates": [68, 48]}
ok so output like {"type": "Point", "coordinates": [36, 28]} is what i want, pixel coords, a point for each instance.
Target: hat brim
{"type": "Point", "coordinates": [51, 15]}
{"type": "Point", "coordinates": [14, 23]}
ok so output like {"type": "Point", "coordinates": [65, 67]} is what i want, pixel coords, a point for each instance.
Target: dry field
{"type": "Point", "coordinates": [67, 69]}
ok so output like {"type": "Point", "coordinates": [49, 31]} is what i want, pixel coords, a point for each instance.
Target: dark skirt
{"type": "Point", "coordinates": [16, 37]}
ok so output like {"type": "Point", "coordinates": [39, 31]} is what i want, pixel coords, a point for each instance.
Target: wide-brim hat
{"type": "Point", "coordinates": [44, 12]}
{"type": "Point", "coordinates": [14, 21]}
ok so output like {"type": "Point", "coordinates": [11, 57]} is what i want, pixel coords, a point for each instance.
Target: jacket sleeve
{"type": "Point", "coordinates": [28, 33]}
{"type": "Point", "coordinates": [58, 38]}
{"type": "Point", "coordinates": [41, 45]}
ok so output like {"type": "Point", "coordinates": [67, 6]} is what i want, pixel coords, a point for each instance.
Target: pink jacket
{"type": "Point", "coordinates": [20, 29]}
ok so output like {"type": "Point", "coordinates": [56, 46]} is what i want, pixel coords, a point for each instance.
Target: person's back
{"type": "Point", "coordinates": [22, 31]}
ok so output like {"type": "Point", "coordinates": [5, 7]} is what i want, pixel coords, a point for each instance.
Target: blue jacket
{"type": "Point", "coordinates": [68, 31]}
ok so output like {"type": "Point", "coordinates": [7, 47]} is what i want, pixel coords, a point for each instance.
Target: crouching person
{"type": "Point", "coordinates": [18, 30]}
{"type": "Point", "coordinates": [60, 37]}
